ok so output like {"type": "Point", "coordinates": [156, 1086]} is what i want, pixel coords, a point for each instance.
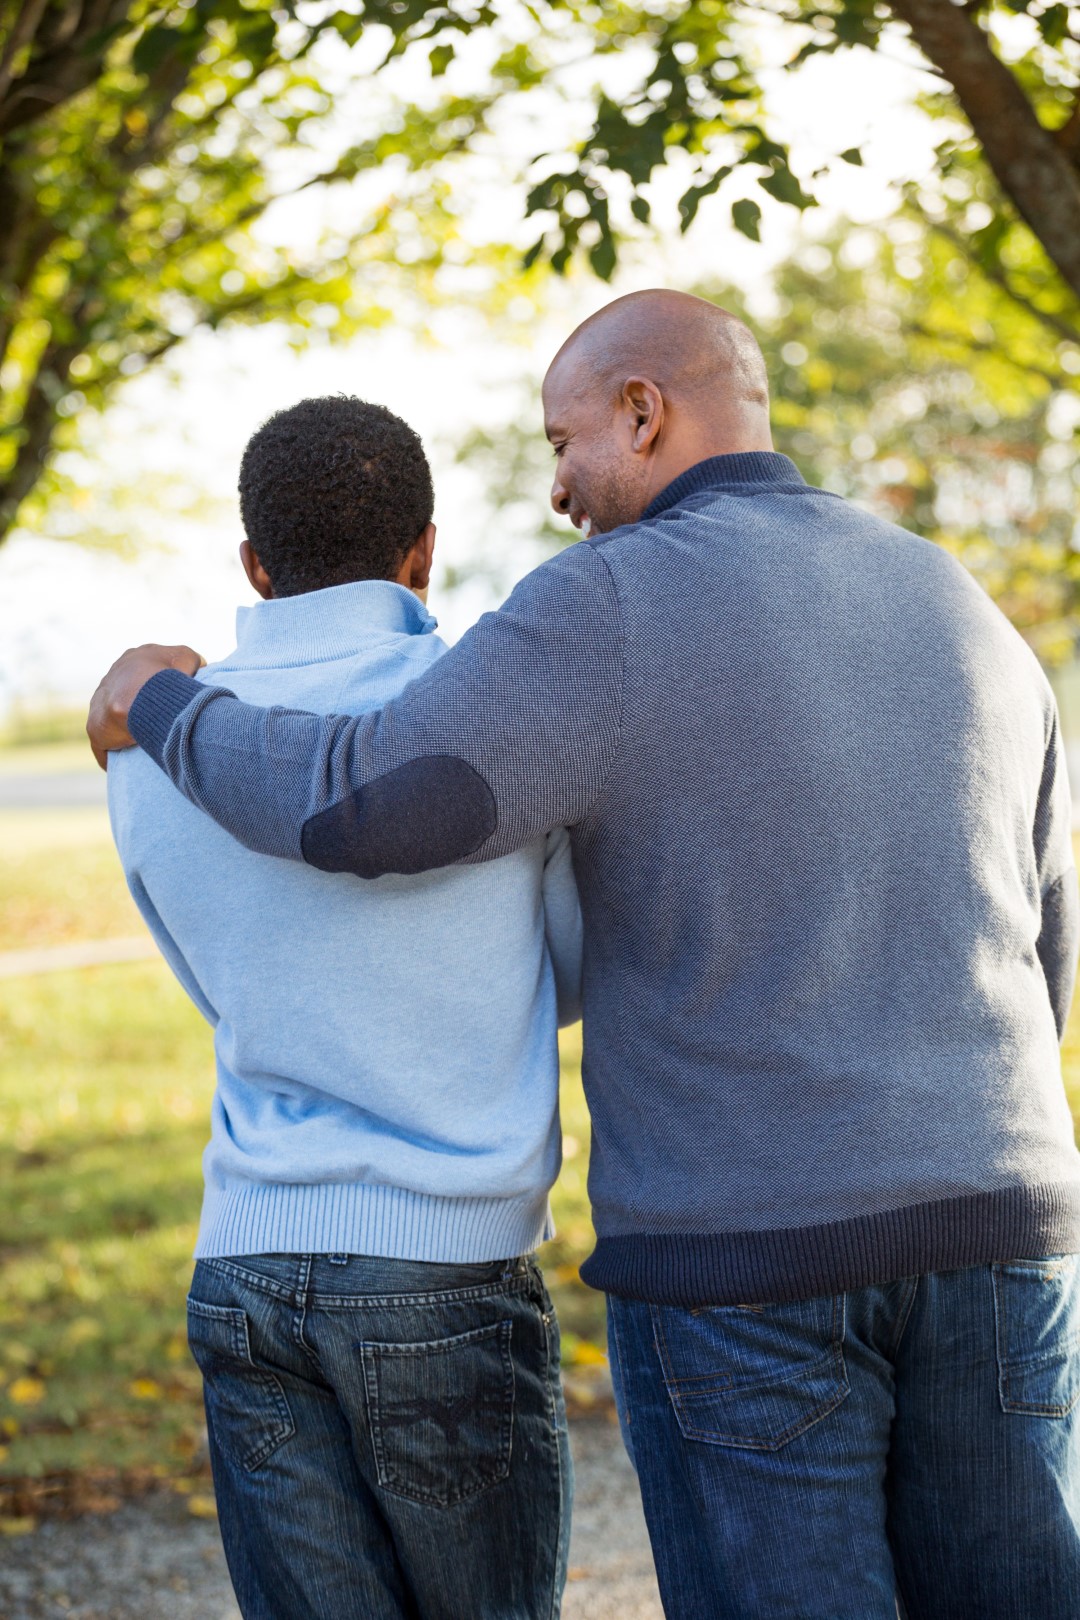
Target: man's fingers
{"type": "Point", "coordinates": [186, 660]}
{"type": "Point", "coordinates": [107, 722]}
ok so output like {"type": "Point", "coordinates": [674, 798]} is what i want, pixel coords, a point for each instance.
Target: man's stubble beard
{"type": "Point", "coordinates": [615, 501]}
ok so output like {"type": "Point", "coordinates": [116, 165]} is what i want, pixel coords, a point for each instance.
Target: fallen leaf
{"type": "Point", "coordinates": [26, 1391]}
{"type": "Point", "coordinates": [17, 1527]}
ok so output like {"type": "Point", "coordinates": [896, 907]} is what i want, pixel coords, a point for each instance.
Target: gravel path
{"type": "Point", "coordinates": [80, 954]}
{"type": "Point", "coordinates": [150, 1560]}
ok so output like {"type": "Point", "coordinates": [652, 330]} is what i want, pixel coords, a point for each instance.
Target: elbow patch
{"type": "Point", "coordinates": [430, 812]}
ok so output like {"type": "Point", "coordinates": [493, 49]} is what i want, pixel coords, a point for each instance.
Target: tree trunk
{"type": "Point", "coordinates": [1029, 164]}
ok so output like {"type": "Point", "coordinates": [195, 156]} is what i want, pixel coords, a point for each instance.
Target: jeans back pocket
{"type": "Point", "coordinates": [441, 1413]}
{"type": "Point", "coordinates": [752, 1376]}
{"type": "Point", "coordinates": [246, 1405]}
{"type": "Point", "coordinates": [1037, 1320]}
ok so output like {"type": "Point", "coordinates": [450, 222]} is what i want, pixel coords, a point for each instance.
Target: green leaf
{"type": "Point", "coordinates": [1053, 25]}
{"type": "Point", "coordinates": [530, 258]}
{"type": "Point", "coordinates": [602, 257]}
{"type": "Point", "coordinates": [347, 25]}
{"type": "Point", "coordinates": [440, 57]}
{"type": "Point", "coordinates": [746, 217]}
{"type": "Point", "coordinates": [691, 200]}
{"type": "Point", "coordinates": [783, 185]}
{"type": "Point", "coordinates": [640, 210]}
{"type": "Point", "coordinates": [155, 46]}
{"type": "Point", "coordinates": [256, 37]}
{"type": "Point", "coordinates": [852, 155]}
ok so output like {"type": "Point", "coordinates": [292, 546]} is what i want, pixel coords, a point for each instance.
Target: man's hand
{"type": "Point", "coordinates": [107, 722]}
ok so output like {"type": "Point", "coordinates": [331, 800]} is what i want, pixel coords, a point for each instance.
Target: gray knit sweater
{"type": "Point", "coordinates": [821, 829]}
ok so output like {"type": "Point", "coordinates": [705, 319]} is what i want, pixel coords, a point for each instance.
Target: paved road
{"type": "Point", "coordinates": [82, 953]}
{"type": "Point", "coordinates": [51, 790]}
{"type": "Point", "coordinates": [151, 1560]}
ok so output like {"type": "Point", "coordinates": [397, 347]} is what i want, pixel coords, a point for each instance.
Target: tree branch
{"type": "Point", "coordinates": [1057, 324]}
{"type": "Point", "coordinates": [964, 340]}
{"type": "Point", "coordinates": [1068, 134]}
{"type": "Point", "coordinates": [63, 71]}
{"type": "Point", "coordinates": [1026, 159]}
{"type": "Point", "coordinates": [26, 26]}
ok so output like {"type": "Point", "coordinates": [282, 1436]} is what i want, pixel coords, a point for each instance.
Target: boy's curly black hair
{"type": "Point", "coordinates": [333, 490]}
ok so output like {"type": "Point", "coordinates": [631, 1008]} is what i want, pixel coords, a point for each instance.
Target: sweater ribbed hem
{"type": "Point", "coordinates": [354, 1218]}
{"type": "Point", "coordinates": [157, 705]}
{"type": "Point", "coordinates": [800, 1262]}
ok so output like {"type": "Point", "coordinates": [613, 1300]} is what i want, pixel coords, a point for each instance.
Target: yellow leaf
{"type": "Point", "coordinates": [17, 1527]}
{"type": "Point", "coordinates": [82, 1330]}
{"type": "Point", "coordinates": [26, 1391]}
{"type": "Point", "coordinates": [146, 1389]}
{"type": "Point", "coordinates": [9, 1427]}
{"type": "Point", "coordinates": [203, 1507]}
{"type": "Point", "coordinates": [585, 1354]}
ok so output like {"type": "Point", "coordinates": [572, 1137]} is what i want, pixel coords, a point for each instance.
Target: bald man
{"type": "Point", "coordinates": [821, 827]}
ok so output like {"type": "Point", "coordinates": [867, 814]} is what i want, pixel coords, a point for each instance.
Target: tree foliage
{"type": "Point", "coordinates": [140, 150]}
{"type": "Point", "coordinates": [141, 146]}
{"type": "Point", "coordinates": [959, 426]}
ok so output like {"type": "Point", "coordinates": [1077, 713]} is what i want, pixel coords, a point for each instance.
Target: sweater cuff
{"type": "Point", "coordinates": [150, 719]}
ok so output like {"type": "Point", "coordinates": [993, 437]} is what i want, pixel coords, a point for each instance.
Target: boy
{"type": "Point", "coordinates": [379, 1354]}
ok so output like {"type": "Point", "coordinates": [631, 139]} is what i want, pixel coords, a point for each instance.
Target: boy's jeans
{"type": "Point", "coordinates": [816, 1460]}
{"type": "Point", "coordinates": [388, 1437]}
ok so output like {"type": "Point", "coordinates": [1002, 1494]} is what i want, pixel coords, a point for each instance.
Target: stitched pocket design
{"type": "Point", "coordinates": [245, 1404]}
{"type": "Point", "coordinates": [441, 1414]}
{"type": "Point", "coordinates": [756, 1376]}
{"type": "Point", "coordinates": [1037, 1319]}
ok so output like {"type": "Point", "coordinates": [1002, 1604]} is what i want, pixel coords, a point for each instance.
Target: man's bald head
{"type": "Point", "coordinates": [693, 350]}
{"type": "Point", "coordinates": [645, 388]}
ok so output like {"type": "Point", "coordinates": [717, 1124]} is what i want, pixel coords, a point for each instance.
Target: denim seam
{"type": "Point", "coordinates": [713, 1380]}
{"type": "Point", "coordinates": [265, 1285]}
{"type": "Point", "coordinates": [352, 1302]}
{"type": "Point", "coordinates": [240, 1337]}
{"type": "Point", "coordinates": [299, 1322]}
{"type": "Point", "coordinates": [904, 1317]}
{"type": "Point", "coordinates": [449, 1296]}
{"type": "Point", "coordinates": [553, 1426]}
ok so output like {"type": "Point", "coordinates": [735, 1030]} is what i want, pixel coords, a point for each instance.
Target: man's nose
{"type": "Point", "coordinates": [560, 496]}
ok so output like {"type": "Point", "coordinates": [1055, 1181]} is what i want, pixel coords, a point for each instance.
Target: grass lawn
{"type": "Point", "coordinates": [105, 1083]}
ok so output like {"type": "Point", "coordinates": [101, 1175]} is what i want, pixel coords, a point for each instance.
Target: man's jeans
{"type": "Point", "coordinates": [917, 1441]}
{"type": "Point", "coordinates": [388, 1438]}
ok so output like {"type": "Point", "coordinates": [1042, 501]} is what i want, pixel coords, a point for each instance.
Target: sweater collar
{"type": "Point", "coordinates": [763, 468]}
{"type": "Point", "coordinates": [322, 625]}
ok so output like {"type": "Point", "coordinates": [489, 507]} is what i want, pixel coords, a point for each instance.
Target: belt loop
{"type": "Point", "coordinates": [303, 1278]}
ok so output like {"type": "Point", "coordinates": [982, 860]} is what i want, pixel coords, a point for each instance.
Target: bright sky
{"type": "Point", "coordinates": [174, 436]}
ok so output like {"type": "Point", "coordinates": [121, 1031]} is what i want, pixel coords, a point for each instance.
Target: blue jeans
{"type": "Point", "coordinates": [916, 1443]}
{"type": "Point", "coordinates": [388, 1438]}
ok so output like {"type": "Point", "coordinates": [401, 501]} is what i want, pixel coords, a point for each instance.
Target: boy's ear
{"type": "Point", "coordinates": [415, 572]}
{"type": "Point", "coordinates": [256, 573]}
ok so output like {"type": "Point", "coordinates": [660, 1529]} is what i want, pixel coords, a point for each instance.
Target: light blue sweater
{"type": "Point", "coordinates": [386, 1052]}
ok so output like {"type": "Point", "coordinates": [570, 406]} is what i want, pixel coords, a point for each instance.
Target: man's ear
{"type": "Point", "coordinates": [415, 571]}
{"type": "Point", "coordinates": [643, 403]}
{"type": "Point", "coordinates": [256, 573]}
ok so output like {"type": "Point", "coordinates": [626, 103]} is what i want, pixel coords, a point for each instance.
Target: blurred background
{"type": "Point", "coordinates": [208, 212]}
